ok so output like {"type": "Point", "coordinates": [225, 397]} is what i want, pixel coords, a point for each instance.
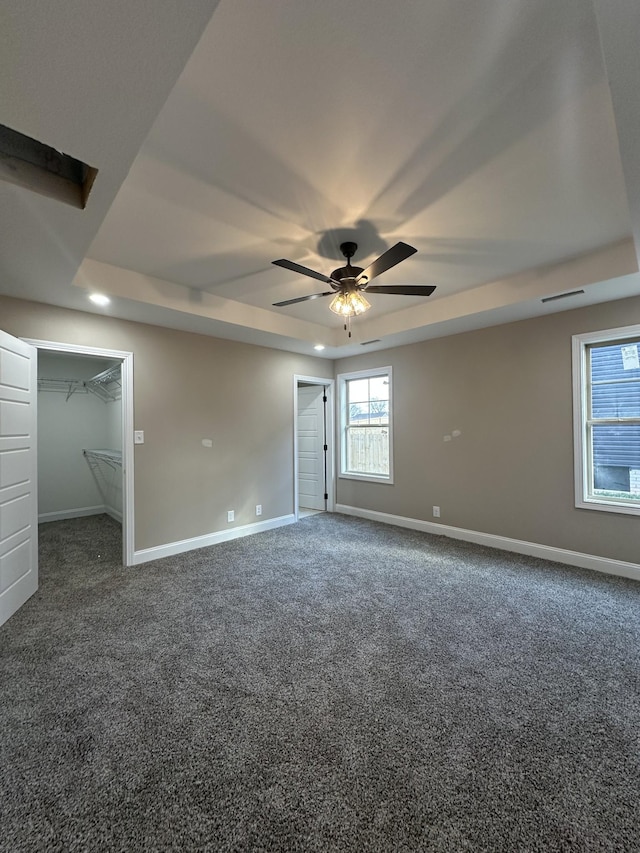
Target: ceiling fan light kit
{"type": "Point", "coordinates": [348, 283]}
{"type": "Point", "coordinates": [349, 304]}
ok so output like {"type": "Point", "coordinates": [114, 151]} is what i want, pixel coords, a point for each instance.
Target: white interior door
{"type": "Point", "coordinates": [18, 480]}
{"type": "Point", "coordinates": [311, 475]}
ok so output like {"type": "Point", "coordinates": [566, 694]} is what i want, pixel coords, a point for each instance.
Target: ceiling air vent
{"type": "Point", "coordinates": [40, 168]}
{"type": "Point", "coordinates": [562, 296]}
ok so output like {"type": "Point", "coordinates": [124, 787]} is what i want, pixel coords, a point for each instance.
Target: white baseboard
{"type": "Point", "coordinates": [518, 546]}
{"type": "Point", "coordinates": [172, 548]}
{"type": "Point", "coordinates": [79, 512]}
{"type": "Point", "coordinates": [114, 513]}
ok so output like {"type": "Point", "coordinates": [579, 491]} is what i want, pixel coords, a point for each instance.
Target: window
{"type": "Point", "coordinates": [365, 425]}
{"type": "Point", "coordinates": [606, 374]}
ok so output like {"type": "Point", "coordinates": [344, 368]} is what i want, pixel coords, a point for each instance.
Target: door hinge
{"type": "Point", "coordinates": [326, 496]}
{"type": "Point", "coordinates": [324, 399]}
{"type": "Point", "coordinates": [326, 447]}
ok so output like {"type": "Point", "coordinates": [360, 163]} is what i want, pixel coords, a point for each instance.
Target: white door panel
{"type": "Point", "coordinates": [14, 516]}
{"type": "Point", "coordinates": [18, 480]}
{"type": "Point", "coordinates": [308, 467]}
{"type": "Point", "coordinates": [14, 370]}
{"type": "Point", "coordinates": [13, 470]}
{"type": "Point", "coordinates": [306, 421]}
{"type": "Point", "coordinates": [13, 566]}
{"type": "Point", "coordinates": [14, 418]}
{"type": "Point", "coordinates": [310, 447]}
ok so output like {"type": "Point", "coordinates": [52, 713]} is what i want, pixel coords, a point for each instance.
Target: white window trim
{"type": "Point", "coordinates": [343, 378]}
{"type": "Point", "coordinates": [580, 454]}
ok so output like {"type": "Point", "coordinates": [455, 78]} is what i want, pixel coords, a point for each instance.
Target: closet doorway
{"type": "Point", "coordinates": [85, 431]}
{"type": "Point", "coordinates": [313, 445]}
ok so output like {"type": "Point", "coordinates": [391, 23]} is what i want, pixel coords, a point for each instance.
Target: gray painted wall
{"type": "Point", "coordinates": [508, 389]}
{"type": "Point", "coordinates": [188, 387]}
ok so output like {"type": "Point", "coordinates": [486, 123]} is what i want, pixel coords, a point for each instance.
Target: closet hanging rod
{"type": "Point", "coordinates": [106, 385]}
{"type": "Point", "coordinates": [63, 386]}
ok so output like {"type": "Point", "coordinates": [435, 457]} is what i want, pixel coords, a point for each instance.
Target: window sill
{"type": "Point", "coordinates": [365, 478]}
{"type": "Point", "coordinates": [608, 506]}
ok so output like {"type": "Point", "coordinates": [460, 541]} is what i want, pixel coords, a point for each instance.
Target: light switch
{"type": "Point", "coordinates": [207, 442]}
{"type": "Point", "coordinates": [138, 436]}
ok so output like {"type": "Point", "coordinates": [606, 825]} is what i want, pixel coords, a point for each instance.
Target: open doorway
{"type": "Point", "coordinates": [80, 444]}
{"type": "Point", "coordinates": [313, 446]}
{"type": "Point", "coordinates": [85, 437]}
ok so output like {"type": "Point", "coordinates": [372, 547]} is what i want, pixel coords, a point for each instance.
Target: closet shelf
{"type": "Point", "coordinates": [106, 385]}
{"type": "Point", "coordinates": [63, 386]}
{"type": "Point", "coordinates": [111, 457]}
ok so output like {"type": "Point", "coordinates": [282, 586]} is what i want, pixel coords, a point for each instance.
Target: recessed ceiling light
{"type": "Point", "coordinates": [99, 299]}
{"type": "Point", "coordinates": [319, 347]}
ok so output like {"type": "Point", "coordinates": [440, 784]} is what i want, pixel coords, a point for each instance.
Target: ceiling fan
{"type": "Point", "coordinates": [349, 283]}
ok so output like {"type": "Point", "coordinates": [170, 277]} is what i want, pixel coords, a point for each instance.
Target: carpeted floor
{"type": "Point", "coordinates": [335, 685]}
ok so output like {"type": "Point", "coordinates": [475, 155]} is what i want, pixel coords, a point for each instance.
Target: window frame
{"type": "Point", "coordinates": [343, 379]}
{"type": "Point", "coordinates": [583, 466]}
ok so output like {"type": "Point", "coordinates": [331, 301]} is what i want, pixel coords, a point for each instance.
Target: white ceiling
{"type": "Point", "coordinates": [482, 132]}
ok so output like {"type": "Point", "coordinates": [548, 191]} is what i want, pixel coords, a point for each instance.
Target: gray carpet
{"type": "Point", "coordinates": [335, 685]}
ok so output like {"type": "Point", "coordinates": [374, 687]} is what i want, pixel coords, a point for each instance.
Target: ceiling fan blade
{"type": "Point", "coordinates": [387, 259]}
{"type": "Point", "coordinates": [290, 265]}
{"type": "Point", "coordinates": [303, 298]}
{"type": "Point", "coordinates": [402, 289]}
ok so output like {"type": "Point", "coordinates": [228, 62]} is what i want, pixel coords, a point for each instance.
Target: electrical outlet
{"type": "Point", "coordinates": [231, 515]}
{"type": "Point", "coordinates": [436, 512]}
{"type": "Point", "coordinates": [258, 509]}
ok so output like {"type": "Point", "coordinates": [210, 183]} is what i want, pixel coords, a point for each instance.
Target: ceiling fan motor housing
{"type": "Point", "coordinates": [343, 274]}
{"type": "Point", "coordinates": [347, 275]}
